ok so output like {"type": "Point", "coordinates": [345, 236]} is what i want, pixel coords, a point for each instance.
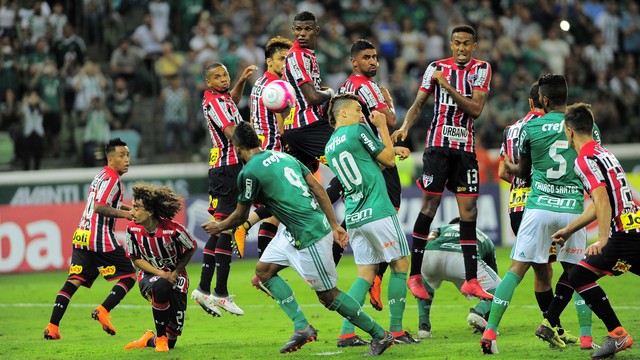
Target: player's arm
{"type": "Point", "coordinates": [411, 117]}
{"type": "Point", "coordinates": [588, 216]}
{"type": "Point", "coordinates": [184, 261]}
{"type": "Point", "coordinates": [386, 157]}
{"type": "Point", "coordinates": [502, 171]}
{"type": "Point", "coordinates": [236, 92]}
{"type": "Point", "coordinates": [125, 207]}
{"type": "Point", "coordinates": [471, 106]}
{"type": "Point", "coordinates": [602, 206]}
{"type": "Point", "coordinates": [313, 96]}
{"type": "Point", "coordinates": [146, 266]}
{"type": "Point", "coordinates": [237, 218]}
{"type": "Point", "coordinates": [229, 130]}
{"type": "Point", "coordinates": [280, 122]}
{"type": "Point", "coordinates": [389, 111]}
{"type": "Point", "coordinates": [339, 234]}
{"type": "Point", "coordinates": [521, 169]}
{"type": "Point", "coordinates": [111, 212]}
{"type": "Point", "coordinates": [433, 235]}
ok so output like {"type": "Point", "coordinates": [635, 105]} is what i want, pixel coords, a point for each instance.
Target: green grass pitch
{"type": "Point", "coordinates": [26, 301]}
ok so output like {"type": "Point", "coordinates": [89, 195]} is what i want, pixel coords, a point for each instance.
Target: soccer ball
{"type": "Point", "coordinates": [277, 95]}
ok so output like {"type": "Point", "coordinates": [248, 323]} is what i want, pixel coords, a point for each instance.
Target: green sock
{"type": "Point", "coordinates": [282, 293]}
{"type": "Point", "coordinates": [484, 306]}
{"type": "Point", "coordinates": [584, 315]}
{"type": "Point", "coordinates": [501, 299]}
{"type": "Point", "coordinates": [424, 307]}
{"type": "Point", "coordinates": [397, 294]}
{"type": "Point", "coordinates": [358, 292]}
{"type": "Point", "coordinates": [348, 307]}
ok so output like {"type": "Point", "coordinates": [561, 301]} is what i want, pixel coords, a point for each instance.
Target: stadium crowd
{"type": "Point", "coordinates": [74, 71]}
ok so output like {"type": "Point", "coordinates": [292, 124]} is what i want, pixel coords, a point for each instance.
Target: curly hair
{"type": "Point", "coordinates": [276, 44]}
{"type": "Point", "coordinates": [159, 200]}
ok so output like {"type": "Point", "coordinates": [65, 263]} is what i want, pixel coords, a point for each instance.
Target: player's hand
{"type": "Point", "coordinates": [595, 248]}
{"type": "Point", "coordinates": [248, 71]}
{"type": "Point", "coordinates": [402, 152]}
{"type": "Point", "coordinates": [399, 135]}
{"type": "Point", "coordinates": [212, 227]}
{"type": "Point", "coordinates": [340, 236]}
{"type": "Point", "coordinates": [378, 119]}
{"type": "Point", "coordinates": [439, 77]}
{"type": "Point", "coordinates": [561, 236]}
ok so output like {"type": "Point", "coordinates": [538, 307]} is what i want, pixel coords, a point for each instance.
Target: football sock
{"type": "Point", "coordinates": [561, 299]}
{"type": "Point", "coordinates": [62, 302]}
{"type": "Point", "coordinates": [358, 292]}
{"type": "Point", "coordinates": [172, 343]}
{"type": "Point", "coordinates": [265, 235]}
{"type": "Point", "coordinates": [349, 308]}
{"type": "Point", "coordinates": [118, 292]}
{"type": "Point", "coordinates": [382, 268]}
{"type": "Point", "coordinates": [282, 293]}
{"type": "Point", "coordinates": [424, 306]}
{"type": "Point", "coordinates": [584, 282]}
{"type": "Point", "coordinates": [584, 315]}
{"type": "Point", "coordinates": [223, 263]}
{"type": "Point", "coordinates": [468, 242]}
{"type": "Point", "coordinates": [544, 299]}
{"type": "Point", "coordinates": [161, 294]}
{"type": "Point", "coordinates": [484, 306]}
{"type": "Point", "coordinates": [208, 264]}
{"type": "Point", "coordinates": [501, 299]}
{"type": "Point", "coordinates": [263, 212]}
{"type": "Point", "coordinates": [420, 234]}
{"type": "Point", "coordinates": [397, 294]}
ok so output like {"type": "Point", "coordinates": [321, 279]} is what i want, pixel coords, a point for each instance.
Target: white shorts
{"type": "Point", "coordinates": [314, 263]}
{"type": "Point", "coordinates": [378, 241]}
{"type": "Point", "coordinates": [534, 237]}
{"type": "Point", "coordinates": [439, 266]}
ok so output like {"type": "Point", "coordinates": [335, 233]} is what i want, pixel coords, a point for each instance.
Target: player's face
{"type": "Point", "coordinates": [218, 80]}
{"type": "Point", "coordinates": [276, 63]}
{"type": "Point", "coordinates": [119, 160]}
{"type": "Point", "coordinates": [462, 45]}
{"type": "Point", "coordinates": [366, 62]}
{"type": "Point", "coordinates": [306, 32]}
{"type": "Point", "coordinates": [353, 112]}
{"type": "Point", "coordinates": [139, 213]}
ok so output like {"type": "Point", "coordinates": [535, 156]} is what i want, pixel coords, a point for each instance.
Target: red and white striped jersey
{"type": "Point", "coordinates": [451, 127]}
{"type": "Point", "coordinates": [264, 120]}
{"type": "Point", "coordinates": [596, 166]}
{"type": "Point", "coordinates": [510, 138]}
{"type": "Point", "coordinates": [162, 249]}
{"type": "Point", "coordinates": [369, 93]}
{"type": "Point", "coordinates": [95, 231]}
{"type": "Point", "coordinates": [300, 67]}
{"type": "Point", "coordinates": [220, 111]}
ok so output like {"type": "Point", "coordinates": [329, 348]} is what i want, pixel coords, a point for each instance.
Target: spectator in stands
{"type": "Point", "coordinates": [160, 13]}
{"type": "Point", "coordinates": [598, 55]}
{"type": "Point", "coordinates": [386, 31]}
{"type": "Point", "coordinates": [57, 20]}
{"type": "Point", "coordinates": [251, 53]}
{"type": "Point", "coordinates": [9, 66]}
{"type": "Point", "coordinates": [411, 41]}
{"type": "Point", "coordinates": [556, 51]}
{"type": "Point", "coordinates": [527, 27]}
{"type": "Point", "coordinates": [97, 130]}
{"type": "Point", "coordinates": [434, 43]}
{"type": "Point", "coordinates": [204, 42]}
{"type": "Point", "coordinates": [125, 62]}
{"type": "Point", "coordinates": [630, 26]}
{"type": "Point", "coordinates": [174, 103]}
{"type": "Point", "coordinates": [10, 120]}
{"type": "Point", "coordinates": [71, 47]}
{"type": "Point", "coordinates": [150, 42]}
{"type": "Point", "coordinates": [37, 59]}
{"type": "Point", "coordinates": [608, 22]}
{"type": "Point", "coordinates": [8, 16]}
{"type": "Point", "coordinates": [49, 87]}
{"type": "Point", "coordinates": [120, 104]}
{"type": "Point", "coordinates": [32, 130]}
{"type": "Point", "coordinates": [34, 24]}
{"type": "Point", "coordinates": [89, 83]}
{"type": "Point", "coordinates": [169, 63]}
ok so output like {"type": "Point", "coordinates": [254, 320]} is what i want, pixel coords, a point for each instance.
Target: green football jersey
{"type": "Point", "coordinates": [351, 153]}
{"type": "Point", "coordinates": [449, 240]}
{"type": "Point", "coordinates": [276, 180]}
{"type": "Point", "coordinates": [555, 186]}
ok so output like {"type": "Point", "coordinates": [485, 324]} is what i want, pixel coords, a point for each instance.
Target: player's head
{"type": "Point", "coordinates": [534, 98]}
{"type": "Point", "coordinates": [245, 140]}
{"type": "Point", "coordinates": [274, 52]}
{"type": "Point", "coordinates": [455, 220]}
{"type": "Point", "coordinates": [578, 121]}
{"type": "Point", "coordinates": [553, 91]}
{"type": "Point", "coordinates": [217, 78]}
{"type": "Point", "coordinates": [154, 202]}
{"type": "Point", "coordinates": [345, 109]}
{"type": "Point", "coordinates": [305, 29]}
{"type": "Point", "coordinates": [117, 154]}
{"type": "Point", "coordinates": [364, 58]}
{"type": "Point", "coordinates": [463, 43]}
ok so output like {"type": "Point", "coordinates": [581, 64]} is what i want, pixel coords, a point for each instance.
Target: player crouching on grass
{"type": "Point", "coordinates": [160, 248]}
